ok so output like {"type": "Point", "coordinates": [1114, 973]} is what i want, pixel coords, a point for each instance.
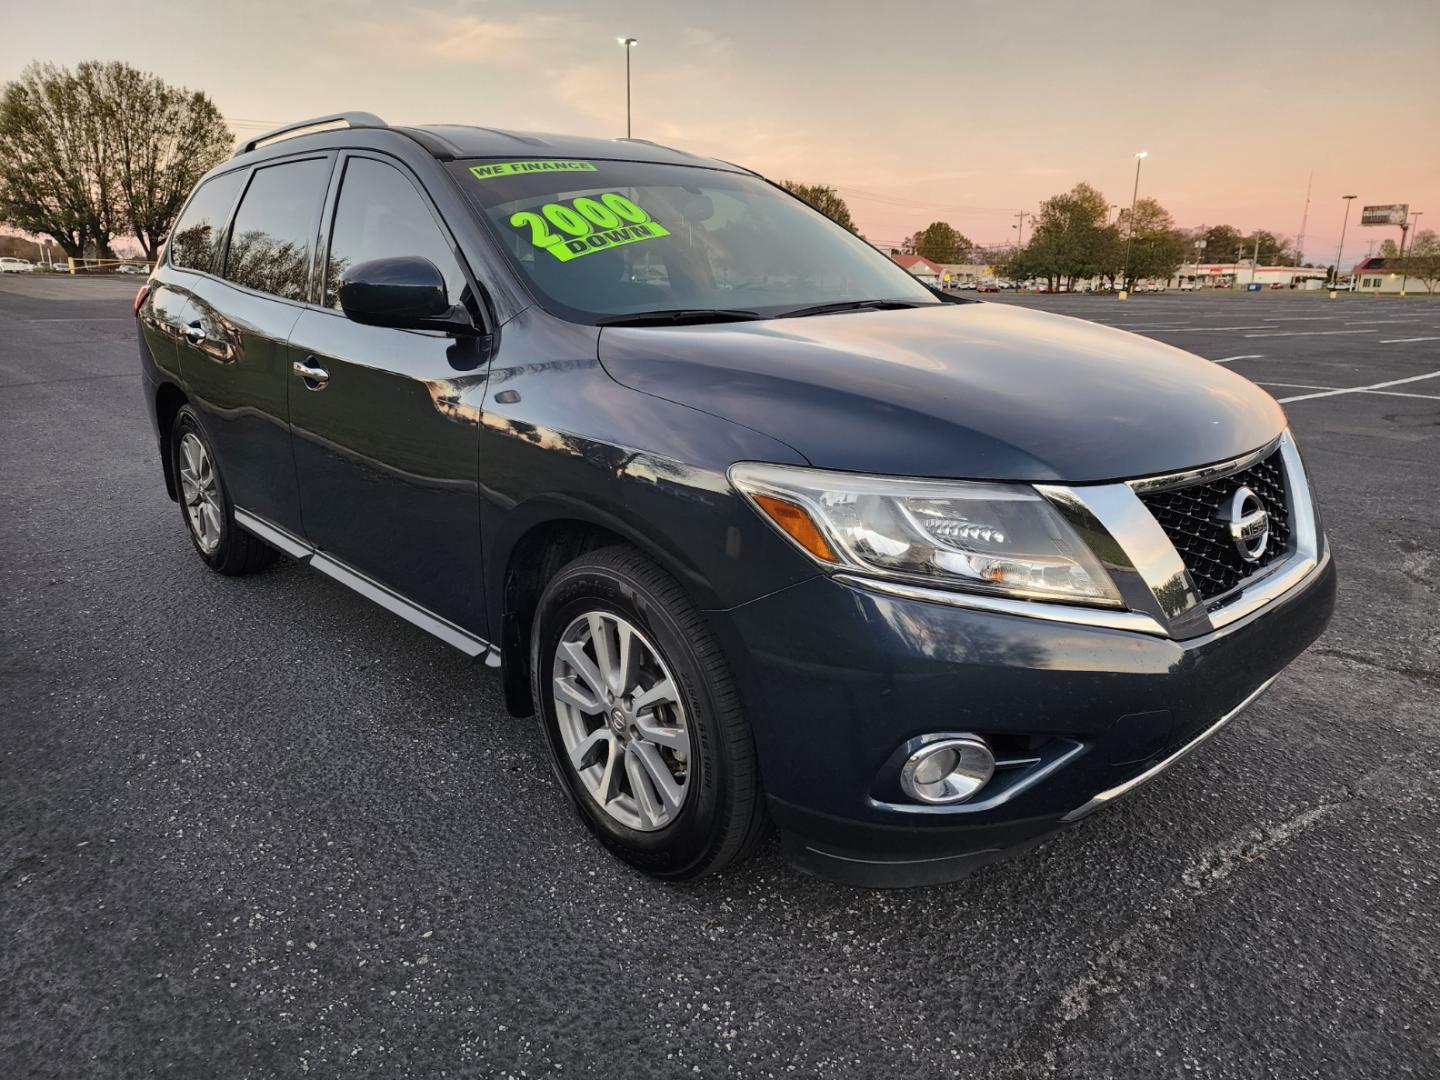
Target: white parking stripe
{"type": "Point", "coordinates": [1378, 322]}
{"type": "Point", "coordinates": [1199, 329]}
{"type": "Point", "coordinates": [1361, 389]}
{"type": "Point", "coordinates": [1376, 393]}
{"type": "Point", "coordinates": [1310, 333]}
{"type": "Point", "coordinates": [1243, 356]}
{"type": "Point", "coordinates": [1398, 340]}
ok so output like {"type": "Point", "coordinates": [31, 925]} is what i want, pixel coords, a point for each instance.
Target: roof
{"type": "Point", "coordinates": [1375, 262]}
{"type": "Point", "coordinates": [912, 262]}
{"type": "Point", "coordinates": [464, 141]}
{"type": "Point", "coordinates": [450, 141]}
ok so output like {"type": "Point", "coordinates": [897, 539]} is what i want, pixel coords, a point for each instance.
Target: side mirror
{"type": "Point", "coordinates": [406, 293]}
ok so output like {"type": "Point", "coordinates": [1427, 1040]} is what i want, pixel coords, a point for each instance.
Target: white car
{"type": "Point", "coordinates": [16, 266]}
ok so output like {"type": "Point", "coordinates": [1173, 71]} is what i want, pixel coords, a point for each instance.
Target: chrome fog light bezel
{"type": "Point", "coordinates": [974, 766]}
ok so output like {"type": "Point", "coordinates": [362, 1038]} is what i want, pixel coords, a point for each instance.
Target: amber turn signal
{"type": "Point", "coordinates": [798, 525]}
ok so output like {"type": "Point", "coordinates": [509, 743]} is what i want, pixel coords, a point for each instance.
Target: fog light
{"type": "Point", "coordinates": [948, 770]}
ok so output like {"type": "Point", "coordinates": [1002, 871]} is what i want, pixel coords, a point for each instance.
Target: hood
{"type": "Point", "coordinates": [982, 391]}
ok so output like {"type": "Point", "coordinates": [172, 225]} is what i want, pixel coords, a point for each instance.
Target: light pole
{"type": "Point", "coordinates": [1340, 251]}
{"type": "Point", "coordinates": [1130, 232]}
{"type": "Point", "coordinates": [629, 43]}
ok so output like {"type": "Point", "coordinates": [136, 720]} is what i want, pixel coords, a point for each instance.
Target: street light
{"type": "Point", "coordinates": [629, 43]}
{"type": "Point", "coordinates": [1340, 251]}
{"type": "Point", "coordinates": [1130, 232]}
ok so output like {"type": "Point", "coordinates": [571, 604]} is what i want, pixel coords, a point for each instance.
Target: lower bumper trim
{"type": "Point", "coordinates": [1110, 795]}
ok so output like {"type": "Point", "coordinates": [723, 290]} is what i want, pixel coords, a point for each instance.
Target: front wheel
{"type": "Point", "coordinates": [642, 717]}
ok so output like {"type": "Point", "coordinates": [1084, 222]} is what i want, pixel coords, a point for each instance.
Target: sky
{"type": "Point", "coordinates": [962, 112]}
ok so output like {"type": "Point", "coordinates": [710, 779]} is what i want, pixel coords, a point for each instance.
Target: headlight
{"type": "Point", "coordinates": [995, 538]}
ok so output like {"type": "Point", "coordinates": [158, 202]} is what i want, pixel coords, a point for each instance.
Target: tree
{"type": "Point", "coordinates": [1423, 259]}
{"type": "Point", "coordinates": [1389, 250]}
{"type": "Point", "coordinates": [825, 199]}
{"type": "Point", "coordinates": [1157, 247]}
{"type": "Point", "coordinates": [1070, 240]}
{"type": "Point", "coordinates": [941, 243]}
{"type": "Point", "coordinates": [102, 151]}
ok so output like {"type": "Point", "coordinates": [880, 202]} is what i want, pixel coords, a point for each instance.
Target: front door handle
{"type": "Point", "coordinates": [315, 376]}
{"type": "Point", "coordinates": [195, 332]}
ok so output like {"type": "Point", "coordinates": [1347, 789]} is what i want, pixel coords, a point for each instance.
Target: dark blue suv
{"type": "Point", "coordinates": [757, 526]}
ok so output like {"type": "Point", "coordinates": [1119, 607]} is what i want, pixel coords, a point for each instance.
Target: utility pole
{"type": "Point", "coordinates": [1340, 251]}
{"type": "Point", "coordinates": [1304, 217]}
{"type": "Point", "coordinates": [1400, 259]}
{"type": "Point", "coordinates": [1020, 235]}
{"type": "Point", "coordinates": [1255, 259]}
{"type": "Point", "coordinates": [1130, 232]}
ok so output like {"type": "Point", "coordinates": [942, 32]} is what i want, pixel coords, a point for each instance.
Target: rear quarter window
{"type": "Point", "coordinates": [199, 233]}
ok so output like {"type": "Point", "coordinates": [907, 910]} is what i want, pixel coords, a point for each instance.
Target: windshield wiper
{"type": "Point", "coordinates": [852, 305]}
{"type": "Point", "coordinates": [679, 316]}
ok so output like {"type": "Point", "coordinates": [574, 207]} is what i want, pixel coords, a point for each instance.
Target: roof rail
{"type": "Point", "coordinates": [350, 119]}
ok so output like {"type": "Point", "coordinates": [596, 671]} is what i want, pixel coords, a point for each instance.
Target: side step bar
{"type": "Point", "coordinates": [284, 540]}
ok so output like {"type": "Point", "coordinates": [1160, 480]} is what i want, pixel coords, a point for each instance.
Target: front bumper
{"type": "Point", "coordinates": [839, 679]}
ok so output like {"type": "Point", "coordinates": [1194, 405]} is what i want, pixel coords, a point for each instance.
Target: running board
{"type": "Point", "coordinates": [411, 612]}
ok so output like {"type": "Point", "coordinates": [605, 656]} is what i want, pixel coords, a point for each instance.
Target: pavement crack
{"type": "Point", "coordinates": [1423, 675]}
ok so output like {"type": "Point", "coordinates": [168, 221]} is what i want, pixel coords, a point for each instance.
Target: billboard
{"type": "Point", "coordinates": [1392, 214]}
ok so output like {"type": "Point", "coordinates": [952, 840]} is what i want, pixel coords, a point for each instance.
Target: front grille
{"type": "Point", "coordinates": [1192, 519]}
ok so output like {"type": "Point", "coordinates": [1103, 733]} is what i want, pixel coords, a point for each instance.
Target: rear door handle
{"type": "Point", "coordinates": [315, 376]}
{"type": "Point", "coordinates": [195, 332]}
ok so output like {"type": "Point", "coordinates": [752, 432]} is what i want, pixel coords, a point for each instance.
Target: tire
{"type": "Point", "coordinates": [205, 507]}
{"type": "Point", "coordinates": [720, 816]}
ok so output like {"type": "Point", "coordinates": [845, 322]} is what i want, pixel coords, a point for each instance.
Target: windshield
{"type": "Point", "coordinates": [599, 240]}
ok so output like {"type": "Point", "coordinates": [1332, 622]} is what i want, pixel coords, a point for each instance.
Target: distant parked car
{"type": "Point", "coordinates": [16, 266]}
{"type": "Point", "coordinates": [130, 268]}
{"type": "Point", "coordinates": [987, 286]}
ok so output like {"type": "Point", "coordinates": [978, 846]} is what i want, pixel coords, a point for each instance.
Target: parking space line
{"type": "Point", "coordinates": [1398, 340]}
{"type": "Point", "coordinates": [1310, 333]}
{"type": "Point", "coordinates": [1200, 329]}
{"type": "Point", "coordinates": [1378, 322]}
{"type": "Point", "coordinates": [1361, 389]}
{"type": "Point", "coordinates": [1242, 356]}
{"type": "Point", "coordinates": [1377, 393]}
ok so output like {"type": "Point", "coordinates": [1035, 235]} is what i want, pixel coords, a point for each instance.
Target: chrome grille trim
{"type": "Point", "coordinates": [1205, 473]}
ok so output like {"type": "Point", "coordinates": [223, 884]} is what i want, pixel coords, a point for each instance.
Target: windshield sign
{"type": "Point", "coordinates": [603, 239]}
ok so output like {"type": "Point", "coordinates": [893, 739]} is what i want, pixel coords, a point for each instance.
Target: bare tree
{"type": "Point", "coordinates": [102, 151]}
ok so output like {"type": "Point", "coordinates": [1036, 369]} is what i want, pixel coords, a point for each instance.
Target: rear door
{"type": "Point", "coordinates": [386, 444]}
{"type": "Point", "coordinates": [234, 354]}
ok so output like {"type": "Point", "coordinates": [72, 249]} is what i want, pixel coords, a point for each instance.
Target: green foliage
{"type": "Point", "coordinates": [825, 199]}
{"type": "Point", "coordinates": [1071, 239]}
{"type": "Point", "coordinates": [1157, 247]}
{"type": "Point", "coordinates": [102, 151]}
{"type": "Point", "coordinates": [1423, 258]}
{"type": "Point", "coordinates": [941, 243]}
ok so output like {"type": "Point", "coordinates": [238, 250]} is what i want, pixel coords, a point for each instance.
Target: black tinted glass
{"type": "Point", "coordinates": [196, 239]}
{"type": "Point", "coordinates": [380, 215]}
{"type": "Point", "coordinates": [275, 226]}
{"type": "Point", "coordinates": [600, 239]}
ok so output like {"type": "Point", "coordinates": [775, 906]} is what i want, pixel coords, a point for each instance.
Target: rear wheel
{"type": "Point", "coordinates": [205, 506]}
{"type": "Point", "coordinates": [642, 717]}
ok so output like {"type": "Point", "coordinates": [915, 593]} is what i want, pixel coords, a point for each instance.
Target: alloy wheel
{"type": "Point", "coordinates": [199, 492]}
{"type": "Point", "coordinates": [621, 720]}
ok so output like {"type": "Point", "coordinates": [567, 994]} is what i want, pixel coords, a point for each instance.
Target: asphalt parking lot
{"type": "Point", "coordinates": [259, 827]}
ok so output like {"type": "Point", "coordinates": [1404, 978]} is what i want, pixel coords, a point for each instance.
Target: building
{"type": "Point", "coordinates": [1240, 274]}
{"type": "Point", "coordinates": [955, 274]}
{"type": "Point", "coordinates": [920, 267]}
{"type": "Point", "coordinates": [1377, 275]}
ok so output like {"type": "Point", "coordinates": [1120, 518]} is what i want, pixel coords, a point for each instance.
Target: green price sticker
{"type": "Point", "coordinates": [586, 225]}
{"type": "Point", "coordinates": [520, 168]}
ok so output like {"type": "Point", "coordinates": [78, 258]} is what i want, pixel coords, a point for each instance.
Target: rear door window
{"type": "Point", "coordinates": [199, 233]}
{"type": "Point", "coordinates": [274, 232]}
{"type": "Point", "coordinates": [381, 215]}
